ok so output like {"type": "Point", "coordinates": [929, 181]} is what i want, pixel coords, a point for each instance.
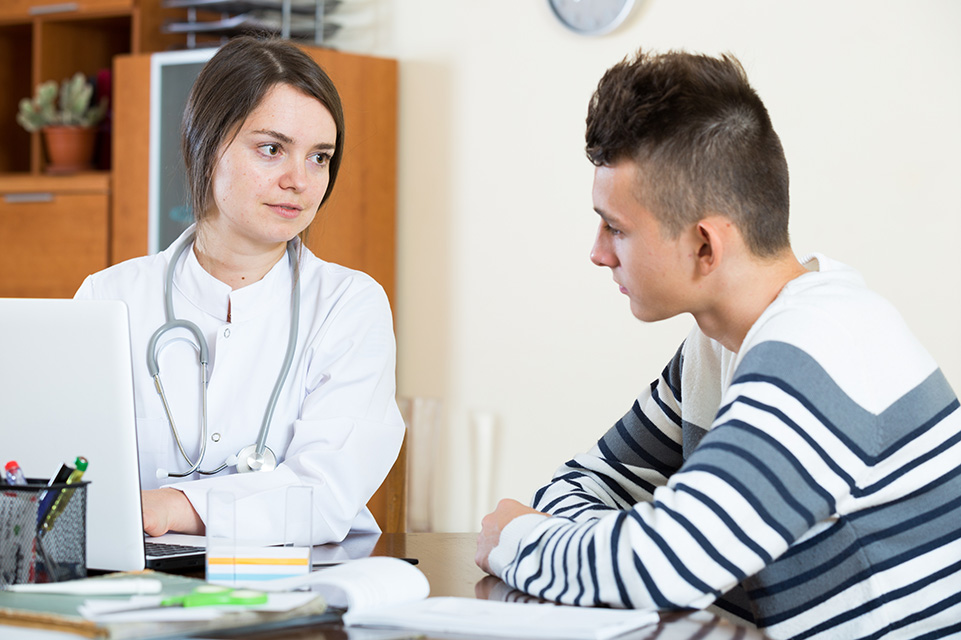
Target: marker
{"type": "Point", "coordinates": [94, 587]}
{"type": "Point", "coordinates": [14, 474]}
{"type": "Point", "coordinates": [208, 595]}
{"type": "Point", "coordinates": [60, 503]}
{"type": "Point", "coordinates": [47, 497]}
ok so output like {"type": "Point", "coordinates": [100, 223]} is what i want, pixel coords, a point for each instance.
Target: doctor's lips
{"type": "Point", "coordinates": [286, 209]}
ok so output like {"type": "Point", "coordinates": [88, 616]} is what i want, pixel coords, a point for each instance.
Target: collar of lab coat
{"type": "Point", "coordinates": [206, 293]}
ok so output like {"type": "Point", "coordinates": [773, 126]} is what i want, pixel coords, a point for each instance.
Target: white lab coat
{"type": "Point", "coordinates": [336, 426]}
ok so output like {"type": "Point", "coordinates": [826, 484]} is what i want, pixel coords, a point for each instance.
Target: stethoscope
{"type": "Point", "coordinates": [254, 457]}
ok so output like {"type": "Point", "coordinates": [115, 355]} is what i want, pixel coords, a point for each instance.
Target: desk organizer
{"type": "Point", "coordinates": [43, 532]}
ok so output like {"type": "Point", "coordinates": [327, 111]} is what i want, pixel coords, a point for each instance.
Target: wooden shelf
{"type": "Point", "coordinates": [16, 78]}
{"type": "Point", "coordinates": [54, 230]}
{"type": "Point", "coordinates": [28, 9]}
{"type": "Point", "coordinates": [44, 40]}
{"type": "Point", "coordinates": [93, 181]}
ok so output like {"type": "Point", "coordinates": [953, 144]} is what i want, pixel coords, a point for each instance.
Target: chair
{"type": "Point", "coordinates": [389, 502]}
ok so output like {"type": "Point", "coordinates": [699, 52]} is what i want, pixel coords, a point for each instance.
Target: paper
{"type": "Point", "coordinates": [391, 593]}
{"type": "Point", "coordinates": [360, 584]}
{"type": "Point", "coordinates": [489, 618]}
{"type": "Point", "coordinates": [148, 609]}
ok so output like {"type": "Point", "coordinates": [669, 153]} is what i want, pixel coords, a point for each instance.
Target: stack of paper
{"type": "Point", "coordinates": [487, 618]}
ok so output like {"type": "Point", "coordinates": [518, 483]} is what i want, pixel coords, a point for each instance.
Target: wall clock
{"type": "Point", "coordinates": [591, 17]}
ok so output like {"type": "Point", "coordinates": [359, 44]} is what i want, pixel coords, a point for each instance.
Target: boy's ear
{"type": "Point", "coordinates": [709, 238]}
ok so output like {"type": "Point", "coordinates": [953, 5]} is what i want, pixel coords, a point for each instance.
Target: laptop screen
{"type": "Point", "coordinates": [66, 390]}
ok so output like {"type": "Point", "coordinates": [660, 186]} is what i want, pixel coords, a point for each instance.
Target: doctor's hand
{"type": "Point", "coordinates": [169, 510]}
{"type": "Point", "coordinates": [492, 525]}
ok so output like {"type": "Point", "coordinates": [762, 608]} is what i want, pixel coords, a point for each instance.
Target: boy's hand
{"type": "Point", "coordinates": [492, 525]}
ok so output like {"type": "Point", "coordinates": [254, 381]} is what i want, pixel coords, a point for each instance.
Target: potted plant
{"type": "Point", "coordinates": [67, 124]}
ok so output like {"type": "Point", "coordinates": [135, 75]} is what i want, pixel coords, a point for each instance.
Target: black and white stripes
{"type": "Point", "coordinates": [836, 519]}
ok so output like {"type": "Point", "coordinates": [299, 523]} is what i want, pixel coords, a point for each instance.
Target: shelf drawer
{"type": "Point", "coordinates": [31, 8]}
{"type": "Point", "coordinates": [49, 242]}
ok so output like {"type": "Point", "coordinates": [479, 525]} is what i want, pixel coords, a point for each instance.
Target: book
{"type": "Point", "coordinates": [59, 612]}
{"type": "Point", "coordinates": [389, 593]}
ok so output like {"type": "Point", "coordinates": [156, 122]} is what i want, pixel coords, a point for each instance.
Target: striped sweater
{"type": "Point", "coordinates": [809, 482]}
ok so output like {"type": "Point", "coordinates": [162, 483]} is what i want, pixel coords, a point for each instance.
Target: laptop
{"type": "Point", "coordinates": [66, 390]}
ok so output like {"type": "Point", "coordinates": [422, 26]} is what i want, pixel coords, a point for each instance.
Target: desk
{"type": "Point", "coordinates": [447, 559]}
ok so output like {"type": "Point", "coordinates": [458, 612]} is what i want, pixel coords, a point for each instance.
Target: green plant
{"type": "Point", "coordinates": [72, 109]}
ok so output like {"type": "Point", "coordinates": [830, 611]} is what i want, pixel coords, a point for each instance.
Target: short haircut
{"type": "Point", "coordinates": [702, 140]}
{"type": "Point", "coordinates": [231, 86]}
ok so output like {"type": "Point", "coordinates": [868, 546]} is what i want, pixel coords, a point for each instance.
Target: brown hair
{"type": "Point", "coordinates": [232, 85]}
{"type": "Point", "coordinates": [702, 140]}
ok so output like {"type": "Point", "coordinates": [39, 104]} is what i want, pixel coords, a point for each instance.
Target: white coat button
{"type": "Point", "coordinates": [215, 437]}
{"type": "Point", "coordinates": [226, 333]}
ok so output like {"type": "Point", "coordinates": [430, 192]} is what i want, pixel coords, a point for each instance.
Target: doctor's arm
{"type": "Point", "coordinates": [166, 510]}
{"type": "Point", "coordinates": [348, 432]}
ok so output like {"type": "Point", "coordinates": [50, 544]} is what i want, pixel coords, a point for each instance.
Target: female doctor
{"type": "Point", "coordinates": [300, 352]}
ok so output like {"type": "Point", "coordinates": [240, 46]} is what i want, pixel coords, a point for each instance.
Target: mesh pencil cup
{"type": "Point", "coordinates": [43, 532]}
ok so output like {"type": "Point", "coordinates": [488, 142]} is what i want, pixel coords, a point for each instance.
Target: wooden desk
{"type": "Point", "coordinates": [447, 559]}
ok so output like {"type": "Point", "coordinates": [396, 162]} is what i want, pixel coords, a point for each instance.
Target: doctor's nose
{"type": "Point", "coordinates": [294, 176]}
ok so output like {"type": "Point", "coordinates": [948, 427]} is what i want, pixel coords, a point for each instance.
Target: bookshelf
{"type": "Point", "coordinates": [54, 230]}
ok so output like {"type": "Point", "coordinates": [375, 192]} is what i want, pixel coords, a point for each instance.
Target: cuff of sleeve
{"type": "Point", "coordinates": [510, 540]}
{"type": "Point", "coordinates": [196, 497]}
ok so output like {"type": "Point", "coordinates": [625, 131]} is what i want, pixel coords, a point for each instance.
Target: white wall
{"type": "Point", "coordinates": [500, 310]}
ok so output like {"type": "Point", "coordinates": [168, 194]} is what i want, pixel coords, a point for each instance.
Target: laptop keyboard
{"type": "Point", "coordinates": [159, 549]}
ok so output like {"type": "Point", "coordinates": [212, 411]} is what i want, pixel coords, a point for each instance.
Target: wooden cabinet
{"type": "Point", "coordinates": [20, 9]}
{"type": "Point", "coordinates": [52, 239]}
{"type": "Point", "coordinates": [41, 215]}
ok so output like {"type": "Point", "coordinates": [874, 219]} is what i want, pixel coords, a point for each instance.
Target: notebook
{"type": "Point", "coordinates": [66, 390]}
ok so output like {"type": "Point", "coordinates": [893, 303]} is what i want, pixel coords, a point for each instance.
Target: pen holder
{"type": "Point", "coordinates": [43, 532]}
{"type": "Point", "coordinates": [235, 560]}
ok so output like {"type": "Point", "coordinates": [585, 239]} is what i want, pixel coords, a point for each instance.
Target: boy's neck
{"type": "Point", "coordinates": [742, 294]}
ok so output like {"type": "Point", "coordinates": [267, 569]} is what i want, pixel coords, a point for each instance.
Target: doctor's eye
{"type": "Point", "coordinates": [270, 149]}
{"type": "Point", "coordinates": [321, 159]}
{"type": "Point", "coordinates": [611, 230]}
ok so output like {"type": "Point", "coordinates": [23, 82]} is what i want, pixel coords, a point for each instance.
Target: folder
{"type": "Point", "coordinates": [59, 612]}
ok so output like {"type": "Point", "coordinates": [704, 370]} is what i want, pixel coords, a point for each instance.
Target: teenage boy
{"type": "Point", "coordinates": [797, 462]}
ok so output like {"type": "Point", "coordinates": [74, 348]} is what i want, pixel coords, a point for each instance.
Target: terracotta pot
{"type": "Point", "coordinates": [69, 149]}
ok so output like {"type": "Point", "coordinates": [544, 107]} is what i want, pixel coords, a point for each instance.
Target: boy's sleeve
{"type": "Point", "coordinates": [638, 454]}
{"type": "Point", "coordinates": [625, 539]}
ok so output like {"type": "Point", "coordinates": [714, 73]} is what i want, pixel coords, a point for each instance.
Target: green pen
{"type": "Point", "coordinates": [211, 595]}
{"type": "Point", "coordinates": [65, 494]}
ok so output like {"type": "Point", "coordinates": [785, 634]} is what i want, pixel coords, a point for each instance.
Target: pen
{"type": "Point", "coordinates": [94, 587]}
{"type": "Point", "coordinates": [47, 497]}
{"type": "Point", "coordinates": [60, 503]}
{"type": "Point", "coordinates": [14, 474]}
{"type": "Point", "coordinates": [211, 595]}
